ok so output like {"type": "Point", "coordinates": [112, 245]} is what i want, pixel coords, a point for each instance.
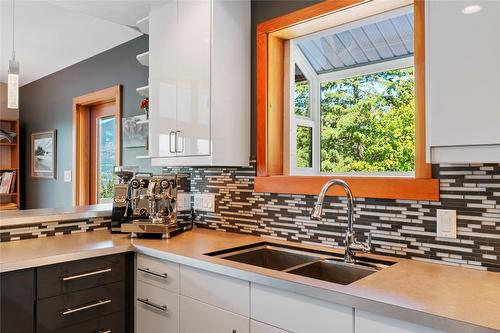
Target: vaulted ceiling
{"type": "Point", "coordinates": [52, 35]}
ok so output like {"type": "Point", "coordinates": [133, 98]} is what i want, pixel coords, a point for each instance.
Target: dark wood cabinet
{"type": "Point", "coordinates": [17, 294]}
{"type": "Point", "coordinates": [89, 295]}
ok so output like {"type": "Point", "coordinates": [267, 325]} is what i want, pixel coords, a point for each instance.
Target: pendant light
{"type": "Point", "coordinates": [13, 74]}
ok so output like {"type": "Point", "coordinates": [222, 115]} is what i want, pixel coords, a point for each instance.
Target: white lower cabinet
{"type": "Point", "coordinates": [258, 327]}
{"type": "Point", "coordinates": [157, 309]}
{"type": "Point", "coordinates": [198, 317]}
{"type": "Point", "coordinates": [298, 313]}
{"type": "Point", "coordinates": [367, 322]}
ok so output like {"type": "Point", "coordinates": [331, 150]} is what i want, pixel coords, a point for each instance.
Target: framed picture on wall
{"type": "Point", "coordinates": [43, 154]}
{"type": "Point", "coordinates": [135, 131]}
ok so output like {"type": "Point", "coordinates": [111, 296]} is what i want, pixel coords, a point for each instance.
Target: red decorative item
{"type": "Point", "coordinates": [145, 104]}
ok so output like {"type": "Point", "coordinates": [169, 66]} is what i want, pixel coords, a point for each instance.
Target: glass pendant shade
{"type": "Point", "coordinates": [13, 85]}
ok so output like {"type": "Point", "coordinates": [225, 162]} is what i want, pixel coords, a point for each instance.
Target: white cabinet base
{"type": "Point", "coordinates": [367, 322]}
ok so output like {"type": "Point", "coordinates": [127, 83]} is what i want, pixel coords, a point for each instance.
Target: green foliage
{"type": "Point", "coordinates": [302, 99]}
{"type": "Point", "coordinates": [106, 190]}
{"type": "Point", "coordinates": [304, 147]}
{"type": "Point", "coordinates": [368, 123]}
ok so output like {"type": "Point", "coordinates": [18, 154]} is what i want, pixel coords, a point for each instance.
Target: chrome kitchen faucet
{"type": "Point", "coordinates": [352, 246]}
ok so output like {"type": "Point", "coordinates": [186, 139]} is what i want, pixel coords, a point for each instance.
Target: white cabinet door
{"type": "Point", "coordinates": [463, 52]}
{"type": "Point", "coordinates": [218, 290]}
{"type": "Point", "coordinates": [163, 62]}
{"type": "Point", "coordinates": [156, 310]}
{"type": "Point", "coordinates": [198, 317]}
{"type": "Point", "coordinates": [367, 322]}
{"type": "Point", "coordinates": [193, 78]}
{"type": "Point", "coordinates": [160, 273]}
{"type": "Point", "coordinates": [298, 313]}
{"type": "Point", "coordinates": [258, 327]}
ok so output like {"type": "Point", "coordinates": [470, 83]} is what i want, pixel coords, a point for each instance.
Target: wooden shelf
{"type": "Point", "coordinates": [143, 58]}
{"type": "Point", "coordinates": [9, 162]}
{"type": "Point", "coordinates": [143, 91]}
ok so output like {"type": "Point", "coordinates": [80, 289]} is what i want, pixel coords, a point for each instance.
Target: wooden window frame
{"type": "Point", "coordinates": [271, 170]}
{"type": "Point", "coordinates": [81, 133]}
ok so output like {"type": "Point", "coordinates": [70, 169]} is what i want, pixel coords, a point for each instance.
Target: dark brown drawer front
{"type": "Point", "coordinates": [80, 306]}
{"type": "Point", "coordinates": [67, 277]}
{"type": "Point", "coordinates": [113, 323]}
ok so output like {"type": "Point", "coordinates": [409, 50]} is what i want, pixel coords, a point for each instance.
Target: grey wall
{"type": "Point", "coordinates": [46, 104]}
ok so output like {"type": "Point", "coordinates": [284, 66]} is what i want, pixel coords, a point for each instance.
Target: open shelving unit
{"type": "Point", "coordinates": [143, 59]}
{"type": "Point", "coordinates": [9, 162]}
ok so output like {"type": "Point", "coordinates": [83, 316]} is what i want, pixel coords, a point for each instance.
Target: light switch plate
{"type": "Point", "coordinates": [446, 220]}
{"type": "Point", "coordinates": [67, 176]}
{"type": "Point", "coordinates": [204, 202]}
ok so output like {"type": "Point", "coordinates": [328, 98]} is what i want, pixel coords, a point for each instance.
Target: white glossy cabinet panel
{"type": "Point", "coordinates": [160, 273]}
{"type": "Point", "coordinates": [193, 78]}
{"type": "Point", "coordinates": [258, 327]}
{"type": "Point", "coordinates": [163, 62]}
{"type": "Point", "coordinates": [298, 313]}
{"type": "Point", "coordinates": [367, 322]}
{"type": "Point", "coordinates": [208, 87]}
{"type": "Point", "coordinates": [151, 319]}
{"type": "Point", "coordinates": [463, 67]}
{"type": "Point", "coordinates": [197, 317]}
{"type": "Point", "coordinates": [219, 290]}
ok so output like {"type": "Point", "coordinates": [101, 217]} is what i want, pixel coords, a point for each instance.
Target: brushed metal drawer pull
{"type": "Point", "coordinates": [86, 307]}
{"type": "Point", "coordinates": [79, 276]}
{"type": "Point", "coordinates": [156, 306]}
{"type": "Point", "coordinates": [149, 271]}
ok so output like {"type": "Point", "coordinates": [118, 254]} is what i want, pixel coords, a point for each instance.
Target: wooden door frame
{"type": "Point", "coordinates": [81, 134]}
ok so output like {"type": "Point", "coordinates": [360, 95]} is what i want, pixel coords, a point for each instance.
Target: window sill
{"type": "Point", "coordinates": [362, 187]}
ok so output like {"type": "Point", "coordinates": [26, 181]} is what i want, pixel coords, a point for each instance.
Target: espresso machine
{"type": "Point", "coordinates": [152, 206]}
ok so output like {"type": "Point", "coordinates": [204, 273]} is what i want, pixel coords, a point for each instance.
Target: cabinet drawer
{"type": "Point", "coordinates": [197, 317]}
{"type": "Point", "coordinates": [77, 275]}
{"type": "Point", "coordinates": [157, 310]}
{"type": "Point", "coordinates": [77, 307]}
{"type": "Point", "coordinates": [113, 323]}
{"type": "Point", "coordinates": [218, 290]}
{"type": "Point", "coordinates": [160, 273]}
{"type": "Point", "coordinates": [298, 313]}
{"type": "Point", "coordinates": [367, 322]}
{"type": "Point", "coordinates": [17, 291]}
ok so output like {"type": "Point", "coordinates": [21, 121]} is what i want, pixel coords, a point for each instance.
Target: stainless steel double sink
{"type": "Point", "coordinates": [305, 262]}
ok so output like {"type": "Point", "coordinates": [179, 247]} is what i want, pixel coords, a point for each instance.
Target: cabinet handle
{"type": "Point", "coordinates": [179, 138]}
{"type": "Point", "coordinates": [79, 276]}
{"type": "Point", "coordinates": [149, 271]}
{"type": "Point", "coordinates": [156, 306]}
{"type": "Point", "coordinates": [86, 307]}
{"type": "Point", "coordinates": [104, 331]}
{"type": "Point", "coordinates": [172, 144]}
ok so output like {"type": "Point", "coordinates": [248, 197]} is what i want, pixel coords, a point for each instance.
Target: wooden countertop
{"type": "Point", "coordinates": [448, 298]}
{"type": "Point", "coordinates": [33, 216]}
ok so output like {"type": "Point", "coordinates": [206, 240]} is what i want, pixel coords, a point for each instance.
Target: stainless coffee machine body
{"type": "Point", "coordinates": [153, 202]}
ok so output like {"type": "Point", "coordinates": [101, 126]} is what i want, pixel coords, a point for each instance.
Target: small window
{"type": "Point", "coordinates": [355, 85]}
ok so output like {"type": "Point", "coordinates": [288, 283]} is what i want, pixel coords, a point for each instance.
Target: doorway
{"type": "Point", "coordinates": [96, 145]}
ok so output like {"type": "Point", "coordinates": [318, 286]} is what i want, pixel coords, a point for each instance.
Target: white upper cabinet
{"type": "Point", "coordinates": [463, 66]}
{"type": "Point", "coordinates": [200, 83]}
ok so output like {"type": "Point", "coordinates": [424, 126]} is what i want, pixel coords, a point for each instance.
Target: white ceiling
{"type": "Point", "coordinates": [52, 35]}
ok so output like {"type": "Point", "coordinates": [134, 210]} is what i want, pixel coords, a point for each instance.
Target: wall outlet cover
{"type": "Point", "coordinates": [204, 202]}
{"type": "Point", "coordinates": [446, 220]}
{"type": "Point", "coordinates": [183, 201]}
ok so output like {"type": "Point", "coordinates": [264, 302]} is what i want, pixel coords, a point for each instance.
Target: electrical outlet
{"type": "Point", "coordinates": [183, 201]}
{"type": "Point", "coordinates": [198, 201]}
{"type": "Point", "coordinates": [446, 220]}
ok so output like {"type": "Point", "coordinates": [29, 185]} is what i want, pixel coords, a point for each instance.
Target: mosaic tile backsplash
{"type": "Point", "coordinates": [402, 228]}
{"type": "Point", "coordinates": [53, 228]}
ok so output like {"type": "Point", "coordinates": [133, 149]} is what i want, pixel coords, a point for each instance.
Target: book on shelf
{"type": "Point", "coordinates": [7, 183]}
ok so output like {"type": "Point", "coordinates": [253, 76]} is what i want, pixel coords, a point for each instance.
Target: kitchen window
{"type": "Point", "coordinates": [352, 108]}
{"type": "Point", "coordinates": [341, 93]}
